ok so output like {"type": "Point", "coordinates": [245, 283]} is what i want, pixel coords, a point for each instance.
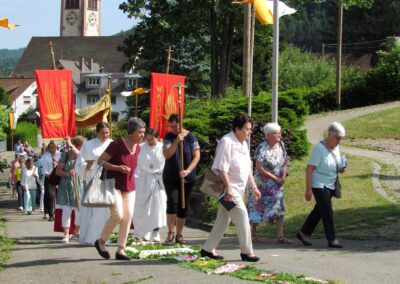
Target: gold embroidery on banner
{"type": "Point", "coordinates": [170, 105]}
{"type": "Point", "coordinates": [54, 111]}
{"type": "Point", "coordinates": [158, 111]}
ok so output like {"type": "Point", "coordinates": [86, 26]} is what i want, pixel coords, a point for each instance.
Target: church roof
{"type": "Point", "coordinates": [103, 50]}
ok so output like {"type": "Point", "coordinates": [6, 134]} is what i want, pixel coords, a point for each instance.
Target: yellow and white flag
{"type": "Point", "coordinates": [264, 10]}
{"type": "Point", "coordinates": [4, 23]}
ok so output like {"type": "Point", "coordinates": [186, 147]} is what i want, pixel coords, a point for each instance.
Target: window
{"type": "Point", "coordinates": [130, 83]}
{"type": "Point", "coordinates": [114, 116]}
{"type": "Point", "coordinates": [93, 82]}
{"type": "Point", "coordinates": [92, 99]}
{"type": "Point", "coordinates": [113, 100]}
{"type": "Point", "coordinates": [93, 5]}
{"type": "Point", "coordinates": [71, 4]}
{"type": "Point", "coordinates": [27, 100]}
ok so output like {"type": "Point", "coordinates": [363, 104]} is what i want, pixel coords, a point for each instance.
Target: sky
{"type": "Point", "coordinates": [42, 18]}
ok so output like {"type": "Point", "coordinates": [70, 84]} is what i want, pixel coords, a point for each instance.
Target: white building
{"type": "Point", "coordinates": [22, 92]}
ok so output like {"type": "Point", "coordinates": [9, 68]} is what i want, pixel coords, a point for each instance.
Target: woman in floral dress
{"type": "Point", "coordinates": [270, 175]}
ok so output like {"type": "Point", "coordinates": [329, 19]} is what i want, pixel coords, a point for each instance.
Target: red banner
{"type": "Point", "coordinates": [56, 103]}
{"type": "Point", "coordinates": [164, 100]}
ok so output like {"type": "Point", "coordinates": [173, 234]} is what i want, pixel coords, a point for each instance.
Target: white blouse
{"type": "Point", "coordinates": [233, 158]}
{"type": "Point", "coordinates": [28, 177]}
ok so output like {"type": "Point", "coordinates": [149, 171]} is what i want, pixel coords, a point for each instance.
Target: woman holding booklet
{"type": "Point", "coordinates": [233, 164]}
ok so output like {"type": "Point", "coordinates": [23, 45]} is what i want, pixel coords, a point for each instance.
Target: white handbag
{"type": "Point", "coordinates": [99, 192]}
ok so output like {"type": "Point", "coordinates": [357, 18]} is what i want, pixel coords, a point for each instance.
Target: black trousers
{"type": "Point", "coordinates": [174, 197]}
{"type": "Point", "coordinates": [322, 210]}
{"type": "Point", "coordinates": [48, 198]}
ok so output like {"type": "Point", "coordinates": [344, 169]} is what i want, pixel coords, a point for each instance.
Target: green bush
{"type": "Point", "coordinates": [210, 120]}
{"type": "Point", "coordinates": [299, 68]}
{"type": "Point", "coordinates": [26, 131]}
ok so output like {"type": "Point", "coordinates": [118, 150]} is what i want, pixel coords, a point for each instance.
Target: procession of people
{"type": "Point", "coordinates": [151, 186]}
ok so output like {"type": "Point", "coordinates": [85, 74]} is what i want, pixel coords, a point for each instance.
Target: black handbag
{"type": "Point", "coordinates": [54, 179]}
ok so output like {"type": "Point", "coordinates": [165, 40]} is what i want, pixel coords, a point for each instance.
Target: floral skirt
{"type": "Point", "coordinates": [269, 207]}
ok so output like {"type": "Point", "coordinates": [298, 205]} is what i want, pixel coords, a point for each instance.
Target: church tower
{"type": "Point", "coordinates": [80, 18]}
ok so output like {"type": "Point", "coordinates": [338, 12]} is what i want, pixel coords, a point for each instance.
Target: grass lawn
{"type": "Point", "coordinates": [383, 124]}
{"type": "Point", "coordinates": [360, 214]}
{"type": "Point", "coordinates": [5, 244]}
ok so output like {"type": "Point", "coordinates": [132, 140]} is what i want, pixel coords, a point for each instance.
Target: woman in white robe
{"type": "Point", "coordinates": [151, 200]}
{"type": "Point", "coordinates": [92, 220]}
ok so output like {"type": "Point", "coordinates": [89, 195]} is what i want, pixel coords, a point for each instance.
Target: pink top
{"type": "Point", "coordinates": [120, 155]}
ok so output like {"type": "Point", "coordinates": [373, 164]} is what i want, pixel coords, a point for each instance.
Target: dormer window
{"type": "Point", "coordinates": [130, 82]}
{"type": "Point", "coordinates": [93, 82]}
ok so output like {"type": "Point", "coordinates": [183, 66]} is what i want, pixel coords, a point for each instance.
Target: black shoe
{"type": "Point", "coordinates": [204, 253]}
{"type": "Point", "coordinates": [246, 257]}
{"type": "Point", "coordinates": [336, 246]}
{"type": "Point", "coordinates": [51, 219]}
{"type": "Point", "coordinates": [103, 254]}
{"type": "Point", "coordinates": [121, 256]}
{"type": "Point", "coordinates": [300, 237]}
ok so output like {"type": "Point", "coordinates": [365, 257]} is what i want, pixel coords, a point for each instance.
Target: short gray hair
{"type": "Point", "coordinates": [134, 123]}
{"type": "Point", "coordinates": [336, 129]}
{"type": "Point", "coordinates": [271, 127]}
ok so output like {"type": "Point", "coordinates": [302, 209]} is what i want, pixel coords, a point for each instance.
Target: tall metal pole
{"type": "Point", "coordinates": [275, 63]}
{"type": "Point", "coordinates": [339, 58]}
{"type": "Point", "coordinates": [246, 50]}
{"type": "Point", "coordinates": [109, 114]}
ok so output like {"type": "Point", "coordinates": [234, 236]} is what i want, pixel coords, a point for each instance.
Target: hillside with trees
{"type": "Point", "coordinates": [8, 60]}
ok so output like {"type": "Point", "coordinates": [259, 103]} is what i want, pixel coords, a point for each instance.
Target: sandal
{"type": "Point", "coordinates": [179, 240]}
{"type": "Point", "coordinates": [284, 240]}
{"type": "Point", "coordinates": [170, 238]}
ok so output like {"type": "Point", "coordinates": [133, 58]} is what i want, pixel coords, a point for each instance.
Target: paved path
{"type": "Point", "coordinates": [39, 257]}
{"type": "Point", "coordinates": [316, 125]}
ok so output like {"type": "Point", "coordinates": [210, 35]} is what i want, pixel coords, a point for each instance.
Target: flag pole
{"type": "Point", "coordinates": [275, 63]}
{"type": "Point", "coordinates": [52, 55]}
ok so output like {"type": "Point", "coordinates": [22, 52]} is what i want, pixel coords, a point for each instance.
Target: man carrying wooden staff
{"type": "Point", "coordinates": [180, 148]}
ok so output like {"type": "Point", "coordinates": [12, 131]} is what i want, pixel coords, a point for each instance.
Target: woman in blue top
{"type": "Point", "coordinates": [321, 174]}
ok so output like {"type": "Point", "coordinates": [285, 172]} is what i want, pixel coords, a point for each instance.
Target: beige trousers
{"type": "Point", "coordinates": [239, 217]}
{"type": "Point", "coordinates": [120, 213]}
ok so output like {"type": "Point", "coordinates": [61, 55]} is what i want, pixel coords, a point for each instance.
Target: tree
{"type": "Point", "coordinates": [206, 36]}
{"type": "Point", "coordinates": [4, 98]}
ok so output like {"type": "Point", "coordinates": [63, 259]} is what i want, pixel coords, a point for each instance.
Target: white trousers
{"type": "Point", "coordinates": [120, 214]}
{"type": "Point", "coordinates": [240, 218]}
{"type": "Point", "coordinates": [66, 215]}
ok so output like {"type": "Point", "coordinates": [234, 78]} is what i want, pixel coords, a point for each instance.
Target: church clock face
{"type": "Point", "coordinates": [92, 19]}
{"type": "Point", "coordinates": [71, 18]}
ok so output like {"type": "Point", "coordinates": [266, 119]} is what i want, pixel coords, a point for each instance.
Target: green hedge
{"type": "Point", "coordinates": [25, 131]}
{"type": "Point", "coordinates": [210, 120]}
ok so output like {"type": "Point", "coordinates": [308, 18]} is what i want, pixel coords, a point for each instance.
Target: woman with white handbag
{"type": "Point", "coordinates": [92, 220]}
{"type": "Point", "coordinates": [120, 160]}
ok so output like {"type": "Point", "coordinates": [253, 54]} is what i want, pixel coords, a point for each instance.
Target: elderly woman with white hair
{"type": "Point", "coordinates": [321, 174]}
{"type": "Point", "coordinates": [271, 169]}
{"type": "Point", "coordinates": [120, 159]}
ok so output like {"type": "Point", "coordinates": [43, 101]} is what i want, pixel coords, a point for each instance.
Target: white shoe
{"type": "Point", "coordinates": [146, 237]}
{"type": "Point", "coordinates": [155, 236]}
{"type": "Point", "coordinates": [21, 208]}
{"type": "Point", "coordinates": [66, 238]}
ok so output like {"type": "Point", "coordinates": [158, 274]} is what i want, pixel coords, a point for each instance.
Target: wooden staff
{"type": "Point", "coordinates": [169, 57]}
{"type": "Point", "coordinates": [110, 112]}
{"type": "Point", "coordinates": [52, 55]}
{"type": "Point", "coordinates": [180, 87]}
{"type": "Point", "coordinates": [75, 188]}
